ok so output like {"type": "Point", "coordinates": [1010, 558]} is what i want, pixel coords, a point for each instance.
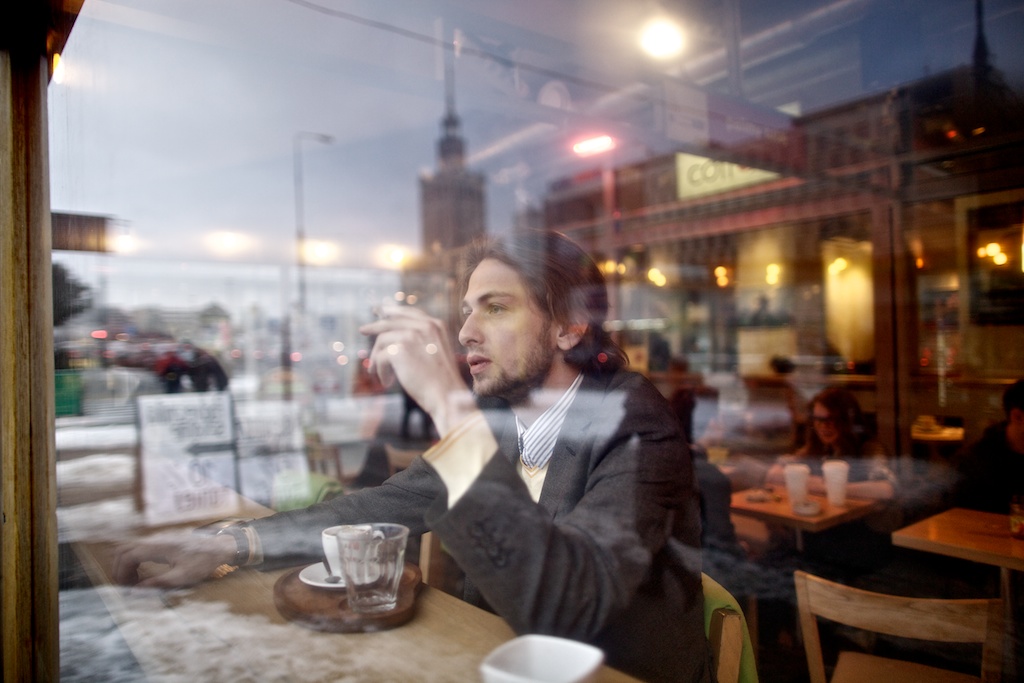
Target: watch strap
{"type": "Point", "coordinates": [242, 548]}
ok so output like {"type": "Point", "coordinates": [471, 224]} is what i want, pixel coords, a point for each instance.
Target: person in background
{"type": "Point", "coordinates": [170, 368]}
{"type": "Point", "coordinates": [562, 485]}
{"type": "Point", "coordinates": [684, 397]}
{"type": "Point", "coordinates": [991, 470]}
{"type": "Point", "coordinates": [203, 368]}
{"type": "Point", "coordinates": [838, 431]}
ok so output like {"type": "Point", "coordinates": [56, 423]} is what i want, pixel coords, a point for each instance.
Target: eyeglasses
{"type": "Point", "coordinates": [823, 419]}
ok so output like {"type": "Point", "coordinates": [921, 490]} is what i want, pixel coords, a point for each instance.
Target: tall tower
{"type": "Point", "coordinates": [451, 197]}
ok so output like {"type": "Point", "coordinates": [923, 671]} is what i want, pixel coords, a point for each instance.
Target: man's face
{"type": "Point", "coordinates": [510, 343]}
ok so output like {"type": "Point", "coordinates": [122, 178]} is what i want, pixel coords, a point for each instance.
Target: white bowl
{"type": "Point", "coordinates": [541, 659]}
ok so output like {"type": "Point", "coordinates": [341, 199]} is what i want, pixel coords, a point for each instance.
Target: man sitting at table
{"type": "Point", "coordinates": [991, 470]}
{"type": "Point", "coordinates": [563, 489]}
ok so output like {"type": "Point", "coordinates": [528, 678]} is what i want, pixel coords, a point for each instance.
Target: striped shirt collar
{"type": "Point", "coordinates": [537, 442]}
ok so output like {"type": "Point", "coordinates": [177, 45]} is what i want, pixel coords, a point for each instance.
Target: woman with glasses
{"type": "Point", "coordinates": [838, 431]}
{"type": "Point", "coordinates": [854, 549]}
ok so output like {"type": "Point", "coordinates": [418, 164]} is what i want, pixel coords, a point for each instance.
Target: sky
{"type": "Point", "coordinates": [178, 118]}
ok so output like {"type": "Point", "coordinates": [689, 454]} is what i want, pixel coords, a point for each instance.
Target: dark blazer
{"type": "Point", "coordinates": [610, 555]}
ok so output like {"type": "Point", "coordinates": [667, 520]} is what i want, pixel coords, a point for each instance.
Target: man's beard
{"type": "Point", "coordinates": [515, 390]}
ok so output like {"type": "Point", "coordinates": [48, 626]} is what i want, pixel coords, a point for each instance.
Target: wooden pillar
{"type": "Point", "coordinates": [28, 527]}
{"type": "Point", "coordinates": [890, 282]}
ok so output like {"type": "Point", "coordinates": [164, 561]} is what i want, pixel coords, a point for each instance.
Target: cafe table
{"type": "Point", "coordinates": [978, 537]}
{"type": "Point", "coordinates": [773, 506]}
{"type": "Point", "coordinates": [230, 629]}
{"type": "Point", "coordinates": [938, 440]}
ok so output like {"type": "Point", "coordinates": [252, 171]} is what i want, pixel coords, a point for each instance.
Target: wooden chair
{"type": "Point", "coordinates": [324, 458]}
{"type": "Point", "coordinates": [399, 458]}
{"type": "Point", "coordinates": [437, 566]}
{"type": "Point", "coordinates": [731, 649]}
{"type": "Point", "coordinates": [949, 621]}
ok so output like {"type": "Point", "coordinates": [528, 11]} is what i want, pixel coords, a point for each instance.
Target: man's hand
{"type": "Point", "coordinates": [413, 348]}
{"type": "Point", "coordinates": [190, 559]}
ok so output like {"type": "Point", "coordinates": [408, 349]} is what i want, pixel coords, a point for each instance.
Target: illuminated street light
{"type": "Point", "coordinates": [227, 243]}
{"type": "Point", "coordinates": [662, 39]}
{"type": "Point", "coordinates": [319, 252]}
{"type": "Point", "coordinates": [125, 244]}
{"type": "Point", "coordinates": [594, 145]}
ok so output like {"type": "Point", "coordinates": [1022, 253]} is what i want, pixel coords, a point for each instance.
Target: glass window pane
{"type": "Point", "coordinates": [784, 198]}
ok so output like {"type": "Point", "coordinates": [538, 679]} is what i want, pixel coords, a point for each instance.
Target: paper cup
{"type": "Point", "coordinates": [835, 473]}
{"type": "Point", "coordinates": [796, 475]}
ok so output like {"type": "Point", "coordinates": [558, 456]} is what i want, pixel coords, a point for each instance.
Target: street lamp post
{"type": "Point", "coordinates": [300, 228]}
{"type": "Point", "coordinates": [294, 323]}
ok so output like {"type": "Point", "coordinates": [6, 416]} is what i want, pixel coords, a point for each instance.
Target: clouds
{"type": "Point", "coordinates": [182, 122]}
{"type": "Point", "coordinates": [178, 116]}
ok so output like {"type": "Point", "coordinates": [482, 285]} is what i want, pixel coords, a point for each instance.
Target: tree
{"type": "Point", "coordinates": [70, 297]}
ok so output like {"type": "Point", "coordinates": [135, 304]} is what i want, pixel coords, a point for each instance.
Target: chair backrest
{"type": "Point", "coordinates": [399, 458]}
{"type": "Point", "coordinates": [731, 650]}
{"type": "Point", "coordinates": [438, 568]}
{"type": "Point", "coordinates": [942, 620]}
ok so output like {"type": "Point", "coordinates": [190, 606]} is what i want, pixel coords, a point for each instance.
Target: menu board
{"type": "Point", "coordinates": [272, 461]}
{"type": "Point", "coordinates": [187, 457]}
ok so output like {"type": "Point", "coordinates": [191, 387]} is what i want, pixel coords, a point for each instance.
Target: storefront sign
{"type": "Point", "coordinates": [697, 176]}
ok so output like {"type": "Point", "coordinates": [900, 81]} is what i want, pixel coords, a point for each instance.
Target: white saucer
{"type": "Point", "coordinates": [316, 575]}
{"type": "Point", "coordinates": [808, 508]}
{"type": "Point", "coordinates": [759, 496]}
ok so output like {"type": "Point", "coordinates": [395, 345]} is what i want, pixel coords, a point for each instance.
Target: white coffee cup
{"type": "Point", "coordinates": [329, 540]}
{"type": "Point", "coordinates": [542, 659]}
{"type": "Point", "coordinates": [796, 475]}
{"type": "Point", "coordinates": [836, 473]}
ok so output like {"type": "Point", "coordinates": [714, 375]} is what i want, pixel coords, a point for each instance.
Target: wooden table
{"type": "Point", "coordinates": [939, 442]}
{"type": "Point", "coordinates": [979, 537]}
{"type": "Point", "coordinates": [777, 510]}
{"type": "Point", "coordinates": [229, 629]}
{"type": "Point", "coordinates": [968, 534]}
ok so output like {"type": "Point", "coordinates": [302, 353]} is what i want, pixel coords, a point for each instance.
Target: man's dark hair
{"type": "Point", "coordinates": [564, 282]}
{"type": "Point", "coordinates": [1013, 397]}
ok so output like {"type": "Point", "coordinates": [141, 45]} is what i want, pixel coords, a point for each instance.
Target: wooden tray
{"type": "Point", "coordinates": [326, 609]}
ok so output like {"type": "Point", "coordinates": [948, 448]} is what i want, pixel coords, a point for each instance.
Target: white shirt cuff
{"type": "Point", "coordinates": [462, 454]}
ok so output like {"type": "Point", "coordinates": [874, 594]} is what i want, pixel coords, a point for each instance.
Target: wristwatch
{"type": "Point", "coordinates": [241, 544]}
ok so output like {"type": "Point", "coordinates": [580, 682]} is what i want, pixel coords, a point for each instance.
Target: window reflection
{"type": "Point", "coordinates": [797, 196]}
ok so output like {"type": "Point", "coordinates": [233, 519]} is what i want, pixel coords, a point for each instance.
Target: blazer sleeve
{"type": "Point", "coordinates": [401, 499]}
{"type": "Point", "coordinates": [569, 571]}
